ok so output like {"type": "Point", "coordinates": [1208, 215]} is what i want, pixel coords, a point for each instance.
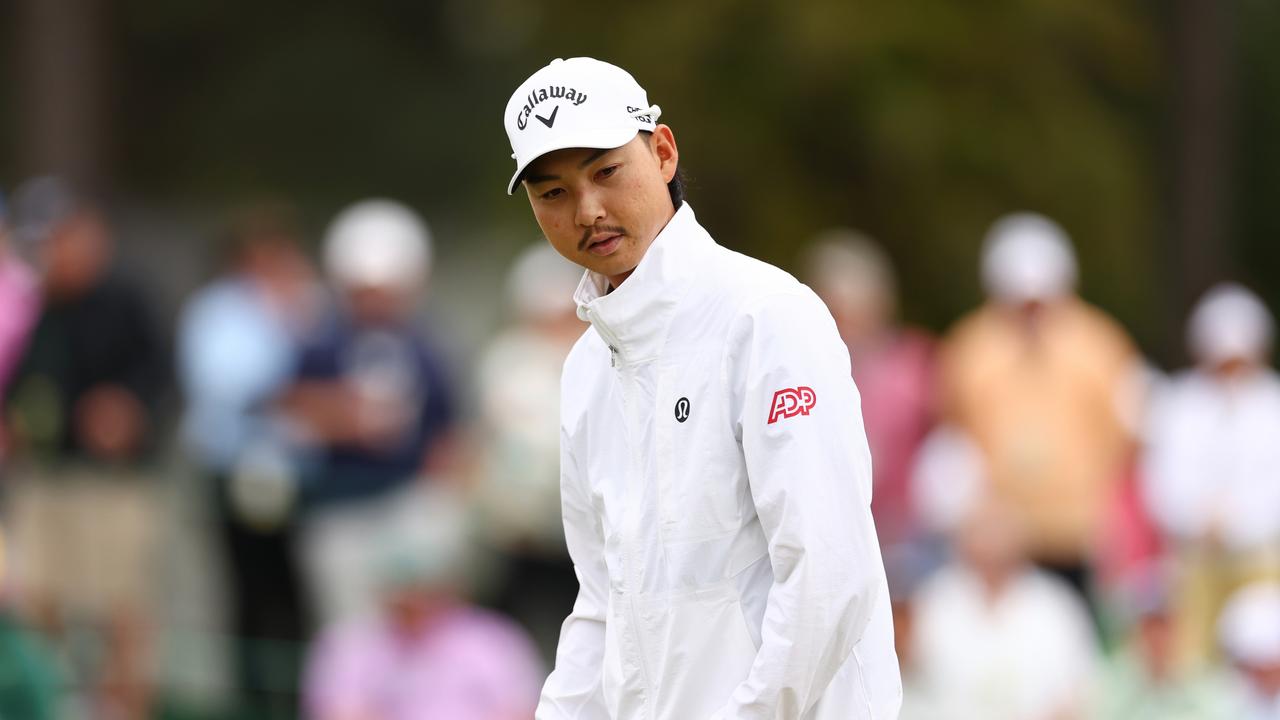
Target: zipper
{"type": "Point", "coordinates": [634, 495]}
{"type": "Point", "coordinates": [615, 359]}
{"type": "Point", "coordinates": [632, 530]}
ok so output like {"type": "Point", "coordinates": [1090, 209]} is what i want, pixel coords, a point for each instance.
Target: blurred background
{"type": "Point", "coordinates": [279, 360]}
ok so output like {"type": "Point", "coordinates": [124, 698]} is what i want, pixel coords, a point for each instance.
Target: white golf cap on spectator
{"type": "Point", "coordinates": [1249, 626]}
{"type": "Point", "coordinates": [37, 207]}
{"type": "Point", "coordinates": [1229, 322]}
{"type": "Point", "coordinates": [541, 283]}
{"type": "Point", "coordinates": [377, 243]}
{"type": "Point", "coordinates": [1027, 257]}
{"type": "Point", "coordinates": [949, 478]}
{"type": "Point", "coordinates": [846, 267]}
{"type": "Point", "coordinates": [576, 103]}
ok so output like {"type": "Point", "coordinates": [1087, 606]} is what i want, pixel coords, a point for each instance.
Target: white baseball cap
{"type": "Point", "coordinates": [1230, 322]}
{"type": "Point", "coordinates": [378, 242]}
{"type": "Point", "coordinates": [541, 282]}
{"type": "Point", "coordinates": [1249, 626]}
{"type": "Point", "coordinates": [949, 478]}
{"type": "Point", "coordinates": [849, 269]}
{"type": "Point", "coordinates": [576, 103]}
{"type": "Point", "coordinates": [1027, 257]}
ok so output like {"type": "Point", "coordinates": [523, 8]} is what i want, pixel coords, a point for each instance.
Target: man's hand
{"type": "Point", "coordinates": [339, 412]}
{"type": "Point", "coordinates": [110, 422]}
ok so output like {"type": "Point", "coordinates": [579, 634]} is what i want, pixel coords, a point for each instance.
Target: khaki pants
{"type": "Point", "coordinates": [1206, 578]}
{"type": "Point", "coordinates": [351, 552]}
{"type": "Point", "coordinates": [83, 541]}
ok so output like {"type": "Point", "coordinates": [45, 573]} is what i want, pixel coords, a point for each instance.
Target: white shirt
{"type": "Point", "coordinates": [716, 491]}
{"type": "Point", "coordinates": [1025, 656]}
{"type": "Point", "coordinates": [1213, 449]}
{"type": "Point", "coordinates": [519, 491]}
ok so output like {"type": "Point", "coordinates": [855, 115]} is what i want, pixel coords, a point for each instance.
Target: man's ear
{"type": "Point", "coordinates": [663, 143]}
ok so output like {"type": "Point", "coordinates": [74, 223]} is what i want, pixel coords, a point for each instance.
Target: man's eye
{"type": "Point", "coordinates": [552, 193]}
{"type": "Point", "coordinates": [608, 171]}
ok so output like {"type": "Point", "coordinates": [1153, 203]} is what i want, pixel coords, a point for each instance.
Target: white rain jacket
{"type": "Point", "coordinates": [716, 490]}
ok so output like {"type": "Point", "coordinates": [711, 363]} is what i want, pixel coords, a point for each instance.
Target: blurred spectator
{"type": "Point", "coordinates": [92, 372]}
{"type": "Point", "coordinates": [19, 304]}
{"type": "Point", "coordinates": [29, 677]}
{"type": "Point", "coordinates": [1038, 378]}
{"type": "Point", "coordinates": [370, 396]}
{"type": "Point", "coordinates": [29, 680]}
{"type": "Point", "coordinates": [19, 296]}
{"type": "Point", "coordinates": [906, 574]}
{"type": "Point", "coordinates": [1129, 543]}
{"type": "Point", "coordinates": [949, 474]}
{"type": "Point", "coordinates": [519, 488]}
{"type": "Point", "coordinates": [237, 347]}
{"type": "Point", "coordinates": [892, 365]}
{"type": "Point", "coordinates": [81, 408]}
{"type": "Point", "coordinates": [425, 653]}
{"type": "Point", "coordinates": [995, 638]}
{"type": "Point", "coordinates": [1143, 680]}
{"type": "Point", "coordinates": [1249, 630]}
{"type": "Point", "coordinates": [1211, 462]}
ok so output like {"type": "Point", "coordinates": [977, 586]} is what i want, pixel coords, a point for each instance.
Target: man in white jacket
{"type": "Point", "coordinates": [715, 477]}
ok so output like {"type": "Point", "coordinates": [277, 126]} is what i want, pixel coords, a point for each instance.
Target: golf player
{"type": "Point", "coordinates": [715, 477]}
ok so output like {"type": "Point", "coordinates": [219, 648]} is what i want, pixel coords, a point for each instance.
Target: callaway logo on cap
{"type": "Point", "coordinates": [575, 103]}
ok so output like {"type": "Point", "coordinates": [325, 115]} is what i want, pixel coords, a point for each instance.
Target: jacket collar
{"type": "Point", "coordinates": [633, 319]}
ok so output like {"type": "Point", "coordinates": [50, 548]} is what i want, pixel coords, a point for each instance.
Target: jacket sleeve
{"type": "Point", "coordinates": [809, 469]}
{"type": "Point", "coordinates": [573, 690]}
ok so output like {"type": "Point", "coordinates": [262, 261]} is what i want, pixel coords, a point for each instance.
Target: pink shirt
{"type": "Point", "coordinates": [19, 306]}
{"type": "Point", "coordinates": [896, 383]}
{"type": "Point", "coordinates": [469, 664]}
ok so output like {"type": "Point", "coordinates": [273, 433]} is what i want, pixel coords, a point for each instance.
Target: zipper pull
{"type": "Point", "coordinates": [613, 356]}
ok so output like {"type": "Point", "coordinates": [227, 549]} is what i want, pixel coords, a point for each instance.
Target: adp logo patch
{"type": "Point", "coordinates": [790, 402]}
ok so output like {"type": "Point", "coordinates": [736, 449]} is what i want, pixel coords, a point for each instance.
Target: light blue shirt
{"type": "Point", "coordinates": [235, 352]}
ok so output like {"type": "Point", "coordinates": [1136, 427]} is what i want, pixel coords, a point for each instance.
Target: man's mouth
{"type": "Point", "coordinates": [604, 244]}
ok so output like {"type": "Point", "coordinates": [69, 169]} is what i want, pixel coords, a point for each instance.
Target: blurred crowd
{"type": "Point", "coordinates": [1069, 532]}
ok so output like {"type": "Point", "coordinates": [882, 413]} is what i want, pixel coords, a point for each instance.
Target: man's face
{"type": "Point", "coordinates": [76, 254]}
{"type": "Point", "coordinates": [376, 305]}
{"type": "Point", "coordinates": [602, 209]}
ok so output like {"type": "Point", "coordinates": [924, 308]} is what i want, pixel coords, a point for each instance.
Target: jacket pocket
{"type": "Point", "coordinates": [697, 648]}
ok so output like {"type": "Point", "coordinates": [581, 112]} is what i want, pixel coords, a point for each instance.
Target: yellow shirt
{"type": "Point", "coordinates": [1043, 405]}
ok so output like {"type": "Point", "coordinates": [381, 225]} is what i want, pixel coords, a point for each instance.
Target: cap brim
{"type": "Point", "coordinates": [597, 140]}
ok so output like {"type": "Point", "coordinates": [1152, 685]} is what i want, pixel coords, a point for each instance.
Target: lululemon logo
{"type": "Point", "coordinates": [682, 409]}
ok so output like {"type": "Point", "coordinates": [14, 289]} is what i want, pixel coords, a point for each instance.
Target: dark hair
{"type": "Point", "coordinates": [676, 188]}
{"type": "Point", "coordinates": [258, 223]}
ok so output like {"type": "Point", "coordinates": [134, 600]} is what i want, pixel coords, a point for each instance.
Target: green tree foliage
{"type": "Point", "coordinates": [1257, 180]}
{"type": "Point", "coordinates": [919, 122]}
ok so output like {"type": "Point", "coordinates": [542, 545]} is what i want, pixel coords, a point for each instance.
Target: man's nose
{"type": "Point", "coordinates": [590, 209]}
